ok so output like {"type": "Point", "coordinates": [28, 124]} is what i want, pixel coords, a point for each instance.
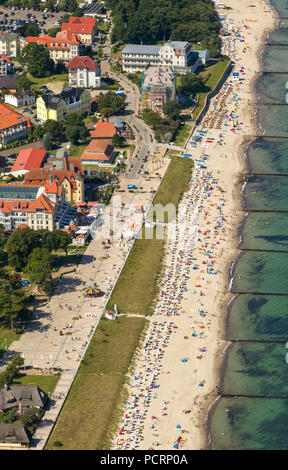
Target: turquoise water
{"type": "Point", "coordinates": [275, 59]}
{"type": "Point", "coordinates": [257, 369]}
{"type": "Point", "coordinates": [268, 156]}
{"type": "Point", "coordinates": [252, 412]}
{"type": "Point", "coordinates": [258, 318]}
{"type": "Point", "coordinates": [265, 231]}
{"type": "Point", "coordinates": [272, 88]}
{"type": "Point", "coordinates": [251, 424]}
{"type": "Point", "coordinates": [266, 193]}
{"type": "Point", "coordinates": [280, 36]}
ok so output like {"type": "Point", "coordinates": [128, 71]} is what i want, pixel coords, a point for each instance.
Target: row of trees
{"type": "Point", "coordinates": [157, 20]}
{"type": "Point", "coordinates": [36, 58]}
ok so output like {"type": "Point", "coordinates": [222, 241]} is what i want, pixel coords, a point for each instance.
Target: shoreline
{"type": "Point", "coordinates": [179, 390]}
{"type": "Point", "coordinates": [239, 198]}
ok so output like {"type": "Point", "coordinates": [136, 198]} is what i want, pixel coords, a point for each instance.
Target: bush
{"type": "Point", "coordinates": [57, 444]}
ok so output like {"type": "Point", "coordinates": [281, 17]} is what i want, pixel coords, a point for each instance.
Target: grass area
{"type": "Point", "coordinates": [6, 338]}
{"type": "Point", "coordinates": [182, 135]}
{"type": "Point", "coordinates": [215, 72]}
{"type": "Point", "coordinates": [93, 406]}
{"type": "Point", "coordinates": [38, 82]}
{"type": "Point", "coordinates": [77, 150]}
{"type": "Point", "coordinates": [136, 287]}
{"type": "Point", "coordinates": [47, 383]}
{"type": "Point", "coordinates": [211, 75]}
{"type": "Point", "coordinates": [175, 182]}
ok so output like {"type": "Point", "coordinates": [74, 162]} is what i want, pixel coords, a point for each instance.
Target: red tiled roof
{"type": "Point", "coordinates": [83, 62]}
{"type": "Point", "coordinates": [29, 159]}
{"type": "Point", "coordinates": [103, 130]}
{"type": "Point", "coordinates": [10, 118]}
{"type": "Point", "coordinates": [42, 202]}
{"type": "Point", "coordinates": [63, 40]}
{"type": "Point", "coordinates": [42, 176]}
{"type": "Point", "coordinates": [3, 56]}
{"type": "Point", "coordinates": [80, 25]}
{"type": "Point", "coordinates": [98, 150]}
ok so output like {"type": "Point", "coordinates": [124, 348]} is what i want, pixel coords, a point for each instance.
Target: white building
{"type": "Point", "coordinates": [84, 72]}
{"type": "Point", "coordinates": [10, 44]}
{"type": "Point", "coordinates": [175, 54]}
{"type": "Point", "coordinates": [21, 98]}
{"type": "Point", "coordinates": [6, 66]}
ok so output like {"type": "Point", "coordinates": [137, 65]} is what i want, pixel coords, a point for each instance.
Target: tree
{"type": "Point", "coordinates": [53, 31]}
{"type": "Point", "coordinates": [19, 245]}
{"type": "Point", "coordinates": [31, 29]}
{"type": "Point", "coordinates": [47, 141]}
{"type": "Point", "coordinates": [191, 83]}
{"type": "Point", "coordinates": [37, 132]}
{"type": "Point", "coordinates": [37, 59]}
{"type": "Point", "coordinates": [172, 110]}
{"type": "Point", "coordinates": [39, 266]}
{"type": "Point", "coordinates": [61, 240]}
{"type": "Point", "coordinates": [110, 103]}
{"type": "Point", "coordinates": [52, 128]}
{"type": "Point", "coordinates": [11, 302]}
{"type": "Point", "coordinates": [73, 134]}
{"type": "Point", "coordinates": [23, 82]}
{"type": "Point", "coordinates": [117, 140]}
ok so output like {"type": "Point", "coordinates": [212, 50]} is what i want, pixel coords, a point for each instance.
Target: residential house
{"type": "Point", "coordinates": [84, 72]}
{"type": "Point", "coordinates": [104, 130]}
{"type": "Point", "coordinates": [6, 66]}
{"type": "Point", "coordinates": [56, 107]}
{"type": "Point", "coordinates": [63, 47]}
{"type": "Point", "coordinates": [84, 28]}
{"type": "Point", "coordinates": [21, 397]}
{"type": "Point", "coordinates": [29, 159]}
{"type": "Point", "coordinates": [158, 87]}
{"type": "Point", "coordinates": [10, 44]}
{"type": "Point", "coordinates": [178, 55]}
{"type": "Point", "coordinates": [98, 152]}
{"type": "Point", "coordinates": [71, 181]}
{"type": "Point", "coordinates": [35, 206]}
{"type": "Point", "coordinates": [21, 98]}
{"type": "Point", "coordinates": [13, 126]}
{"type": "Point", "coordinates": [13, 437]}
{"type": "Point", "coordinates": [8, 83]}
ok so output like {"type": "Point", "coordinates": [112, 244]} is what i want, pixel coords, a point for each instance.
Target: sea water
{"type": "Point", "coordinates": [252, 412]}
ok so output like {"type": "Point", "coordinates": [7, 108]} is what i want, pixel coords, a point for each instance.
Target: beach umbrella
{"type": "Point", "coordinates": [91, 291]}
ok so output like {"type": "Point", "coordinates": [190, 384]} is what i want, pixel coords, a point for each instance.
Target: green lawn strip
{"type": "Point", "coordinates": [211, 76]}
{"type": "Point", "coordinates": [136, 287]}
{"type": "Point", "coordinates": [182, 135]}
{"type": "Point", "coordinates": [47, 383]}
{"type": "Point", "coordinates": [6, 334]}
{"type": "Point", "coordinates": [175, 181]}
{"type": "Point", "coordinates": [94, 404]}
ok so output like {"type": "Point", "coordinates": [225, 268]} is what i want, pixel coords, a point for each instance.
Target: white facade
{"type": "Point", "coordinates": [10, 45]}
{"type": "Point", "coordinates": [176, 54]}
{"type": "Point", "coordinates": [20, 99]}
{"type": "Point", "coordinates": [82, 77]}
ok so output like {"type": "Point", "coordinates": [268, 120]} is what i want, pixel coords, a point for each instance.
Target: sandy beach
{"type": "Point", "coordinates": [177, 370]}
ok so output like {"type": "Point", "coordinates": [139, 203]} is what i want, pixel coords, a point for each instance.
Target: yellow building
{"type": "Point", "coordinates": [56, 107]}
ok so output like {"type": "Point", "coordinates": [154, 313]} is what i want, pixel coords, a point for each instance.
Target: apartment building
{"type": "Point", "coordinates": [63, 47]}
{"type": "Point", "coordinates": [85, 29]}
{"type": "Point", "coordinates": [34, 206]}
{"type": "Point", "coordinates": [158, 87]}
{"type": "Point", "coordinates": [56, 107]}
{"type": "Point", "coordinates": [84, 72]}
{"type": "Point", "coordinates": [175, 54]}
{"type": "Point", "coordinates": [6, 66]}
{"type": "Point", "coordinates": [21, 98]}
{"type": "Point", "coordinates": [10, 44]}
{"type": "Point", "coordinates": [13, 126]}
